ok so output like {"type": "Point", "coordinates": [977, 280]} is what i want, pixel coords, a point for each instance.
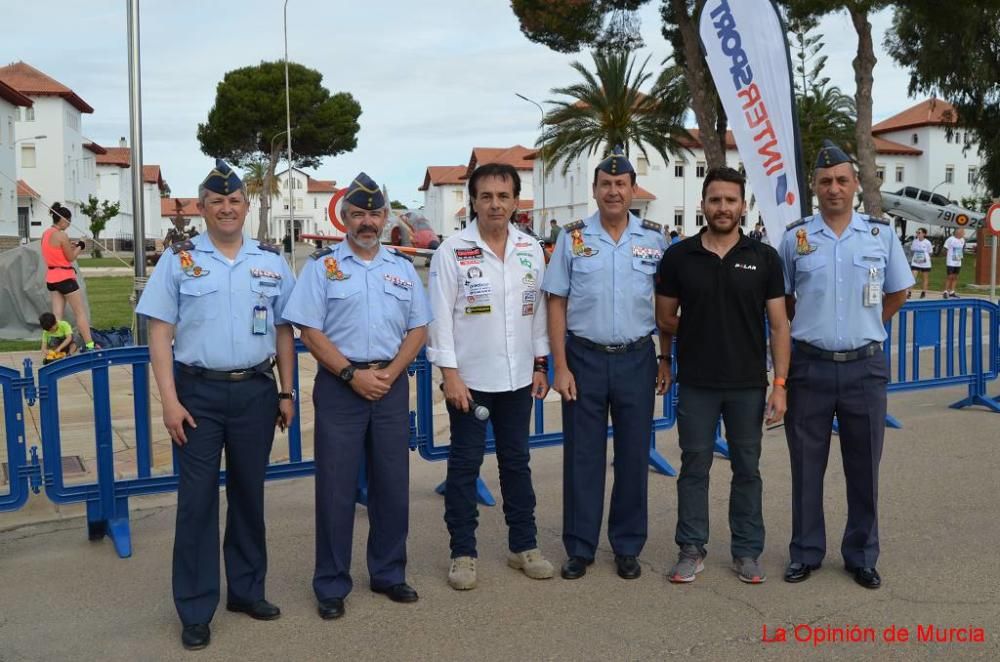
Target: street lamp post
{"type": "Point", "coordinates": [267, 178]}
{"type": "Point", "coordinates": [288, 130]}
{"type": "Point", "coordinates": [540, 154]}
{"type": "Point", "coordinates": [41, 137]}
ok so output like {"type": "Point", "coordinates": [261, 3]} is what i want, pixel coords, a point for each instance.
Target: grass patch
{"type": "Point", "coordinates": [103, 262]}
{"type": "Point", "coordinates": [936, 281]}
{"type": "Point", "coordinates": [109, 307]}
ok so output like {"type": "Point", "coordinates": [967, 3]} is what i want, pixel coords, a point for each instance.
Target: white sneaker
{"type": "Point", "coordinates": [531, 563]}
{"type": "Point", "coordinates": [462, 574]}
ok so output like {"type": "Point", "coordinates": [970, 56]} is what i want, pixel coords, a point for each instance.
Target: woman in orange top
{"type": "Point", "coordinates": [59, 252]}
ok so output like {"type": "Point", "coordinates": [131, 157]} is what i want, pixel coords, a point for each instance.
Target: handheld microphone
{"type": "Point", "coordinates": [481, 412]}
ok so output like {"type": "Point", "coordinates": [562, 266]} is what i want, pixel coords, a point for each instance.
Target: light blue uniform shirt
{"type": "Point", "coordinates": [211, 302]}
{"type": "Point", "coordinates": [828, 274]}
{"type": "Point", "coordinates": [609, 286]}
{"type": "Point", "coordinates": [364, 309]}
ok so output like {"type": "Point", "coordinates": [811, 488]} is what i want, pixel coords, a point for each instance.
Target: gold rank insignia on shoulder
{"type": "Point", "coordinates": [802, 245]}
{"type": "Point", "coordinates": [270, 248]}
{"type": "Point", "coordinates": [333, 271]}
{"type": "Point", "coordinates": [651, 225]}
{"type": "Point", "coordinates": [189, 267]}
{"type": "Point", "coordinates": [575, 225]}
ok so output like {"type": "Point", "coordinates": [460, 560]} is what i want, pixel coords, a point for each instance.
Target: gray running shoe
{"type": "Point", "coordinates": [689, 563]}
{"type": "Point", "coordinates": [749, 570]}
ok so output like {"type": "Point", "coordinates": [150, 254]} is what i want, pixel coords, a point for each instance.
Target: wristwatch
{"type": "Point", "coordinates": [663, 357]}
{"type": "Point", "coordinates": [291, 395]}
{"type": "Point", "coordinates": [347, 374]}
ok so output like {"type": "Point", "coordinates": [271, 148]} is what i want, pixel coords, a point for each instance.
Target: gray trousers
{"type": "Point", "coordinates": [854, 392]}
{"type": "Point", "coordinates": [698, 412]}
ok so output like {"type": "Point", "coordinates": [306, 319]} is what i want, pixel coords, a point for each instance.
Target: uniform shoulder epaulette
{"type": "Point", "coordinates": [795, 224]}
{"type": "Point", "coordinates": [396, 251]}
{"type": "Point", "coordinates": [270, 248]}
{"type": "Point", "coordinates": [575, 225]}
{"type": "Point", "coordinates": [651, 225]}
{"type": "Point", "coordinates": [320, 252]}
{"type": "Point", "coordinates": [872, 219]}
{"type": "Point", "coordinates": [186, 245]}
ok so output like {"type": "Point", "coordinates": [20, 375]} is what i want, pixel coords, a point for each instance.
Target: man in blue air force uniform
{"type": "Point", "coordinates": [363, 314]}
{"type": "Point", "coordinates": [845, 276]}
{"type": "Point", "coordinates": [217, 299]}
{"type": "Point", "coordinates": [600, 305]}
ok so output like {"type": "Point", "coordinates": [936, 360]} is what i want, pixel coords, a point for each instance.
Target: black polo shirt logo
{"type": "Point", "coordinates": [747, 267]}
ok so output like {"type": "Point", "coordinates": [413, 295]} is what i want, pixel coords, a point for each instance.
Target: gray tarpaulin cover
{"type": "Point", "coordinates": [23, 296]}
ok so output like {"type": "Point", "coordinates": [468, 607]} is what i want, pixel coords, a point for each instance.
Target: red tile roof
{"type": "Point", "coordinates": [883, 146]}
{"type": "Point", "coordinates": [12, 96]}
{"type": "Point", "coordinates": [440, 175]}
{"type": "Point", "coordinates": [95, 148]}
{"type": "Point", "coordinates": [643, 194]}
{"type": "Point", "coordinates": [931, 112]}
{"type": "Point", "coordinates": [118, 156]}
{"type": "Point", "coordinates": [188, 207]}
{"type": "Point", "coordinates": [516, 156]}
{"type": "Point", "coordinates": [321, 185]}
{"type": "Point", "coordinates": [151, 175]}
{"type": "Point", "coordinates": [33, 83]}
{"type": "Point", "coordinates": [25, 191]}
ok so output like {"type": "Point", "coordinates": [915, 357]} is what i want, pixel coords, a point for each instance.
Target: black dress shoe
{"type": "Point", "coordinates": [799, 572]}
{"type": "Point", "coordinates": [628, 567]}
{"type": "Point", "coordinates": [575, 567]}
{"type": "Point", "coordinates": [867, 577]}
{"type": "Point", "coordinates": [398, 592]}
{"type": "Point", "coordinates": [195, 637]}
{"type": "Point", "coordinates": [262, 610]}
{"type": "Point", "coordinates": [331, 608]}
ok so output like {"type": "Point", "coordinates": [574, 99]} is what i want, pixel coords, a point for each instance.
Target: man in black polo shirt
{"type": "Point", "coordinates": [724, 283]}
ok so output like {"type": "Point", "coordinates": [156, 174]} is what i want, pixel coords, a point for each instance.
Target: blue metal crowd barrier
{"type": "Point", "coordinates": [21, 474]}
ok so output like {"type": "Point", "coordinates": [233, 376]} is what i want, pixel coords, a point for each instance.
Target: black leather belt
{"type": "Point", "coordinates": [613, 349]}
{"type": "Point", "coordinates": [837, 357]}
{"type": "Point", "coordinates": [262, 368]}
{"type": "Point", "coordinates": [370, 365]}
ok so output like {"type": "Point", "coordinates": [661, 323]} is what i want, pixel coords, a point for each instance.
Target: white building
{"type": "Point", "coordinates": [311, 198]}
{"type": "Point", "coordinates": [912, 150]}
{"type": "Point", "coordinates": [114, 184]}
{"type": "Point", "coordinates": [12, 226]}
{"type": "Point", "coordinates": [61, 167]}
{"type": "Point", "coordinates": [445, 187]}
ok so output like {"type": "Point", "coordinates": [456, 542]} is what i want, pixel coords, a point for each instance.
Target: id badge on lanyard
{"type": "Point", "coordinates": [873, 289]}
{"type": "Point", "coordinates": [259, 327]}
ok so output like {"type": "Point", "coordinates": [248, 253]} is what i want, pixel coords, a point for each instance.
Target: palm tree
{"type": "Point", "coordinates": [257, 179]}
{"type": "Point", "coordinates": [607, 108]}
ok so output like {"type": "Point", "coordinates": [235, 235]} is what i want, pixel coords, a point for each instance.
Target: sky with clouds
{"type": "Point", "coordinates": [434, 78]}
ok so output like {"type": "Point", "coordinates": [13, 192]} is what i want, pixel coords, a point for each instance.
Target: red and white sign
{"type": "Point", "coordinates": [332, 208]}
{"type": "Point", "coordinates": [993, 219]}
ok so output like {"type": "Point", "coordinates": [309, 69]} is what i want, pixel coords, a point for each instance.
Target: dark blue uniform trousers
{"type": "Point", "coordinates": [510, 414]}
{"type": "Point", "coordinates": [855, 392]}
{"type": "Point", "coordinates": [349, 430]}
{"type": "Point", "coordinates": [624, 384]}
{"type": "Point", "coordinates": [237, 417]}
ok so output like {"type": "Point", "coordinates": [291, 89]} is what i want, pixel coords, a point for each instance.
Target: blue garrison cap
{"type": "Point", "coordinates": [831, 155]}
{"type": "Point", "coordinates": [222, 179]}
{"type": "Point", "coordinates": [365, 193]}
{"type": "Point", "coordinates": [616, 163]}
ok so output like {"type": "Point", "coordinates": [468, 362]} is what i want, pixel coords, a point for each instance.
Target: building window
{"type": "Point", "coordinates": [29, 114]}
{"type": "Point", "coordinates": [973, 175]}
{"type": "Point", "coordinates": [914, 139]}
{"type": "Point", "coordinates": [315, 203]}
{"type": "Point", "coordinates": [642, 166]}
{"type": "Point", "coordinates": [679, 170]}
{"type": "Point", "coordinates": [949, 174]}
{"type": "Point", "coordinates": [743, 171]}
{"type": "Point", "coordinates": [899, 174]}
{"type": "Point", "coordinates": [459, 195]}
{"type": "Point", "coordinates": [27, 156]}
{"type": "Point", "coordinates": [678, 217]}
{"type": "Point", "coordinates": [699, 170]}
{"type": "Point", "coordinates": [699, 219]}
{"type": "Point", "coordinates": [880, 173]}
{"type": "Point", "coordinates": [17, 114]}
{"type": "Point", "coordinates": [743, 221]}
{"type": "Point", "coordinates": [10, 130]}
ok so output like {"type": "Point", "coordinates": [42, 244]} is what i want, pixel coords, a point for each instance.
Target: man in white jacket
{"type": "Point", "coordinates": [489, 339]}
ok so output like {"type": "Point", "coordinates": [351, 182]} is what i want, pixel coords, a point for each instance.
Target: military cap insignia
{"type": "Point", "coordinates": [651, 225]}
{"type": "Point", "coordinates": [616, 163]}
{"type": "Point", "coordinates": [320, 252]}
{"type": "Point", "coordinates": [830, 155]}
{"type": "Point", "coordinates": [222, 179]}
{"type": "Point", "coordinates": [579, 248]}
{"type": "Point", "coordinates": [874, 232]}
{"type": "Point", "coordinates": [365, 193]}
{"type": "Point", "coordinates": [333, 271]}
{"type": "Point", "coordinates": [189, 267]}
{"type": "Point", "coordinates": [270, 248]}
{"type": "Point", "coordinates": [802, 245]}
{"type": "Point", "coordinates": [186, 245]}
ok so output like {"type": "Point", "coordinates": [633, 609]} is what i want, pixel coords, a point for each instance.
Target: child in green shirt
{"type": "Point", "coordinates": [57, 335]}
